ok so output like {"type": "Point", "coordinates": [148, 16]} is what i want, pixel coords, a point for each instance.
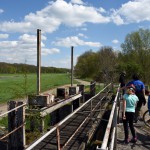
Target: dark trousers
{"type": "Point", "coordinates": [123, 90]}
{"type": "Point", "coordinates": [137, 110]}
{"type": "Point", "coordinates": [142, 99]}
{"type": "Point", "coordinates": [129, 119]}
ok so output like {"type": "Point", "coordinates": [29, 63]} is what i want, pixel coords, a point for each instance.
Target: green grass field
{"type": "Point", "coordinates": [17, 86]}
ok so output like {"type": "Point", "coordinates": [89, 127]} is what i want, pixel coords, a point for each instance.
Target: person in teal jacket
{"type": "Point", "coordinates": [129, 104]}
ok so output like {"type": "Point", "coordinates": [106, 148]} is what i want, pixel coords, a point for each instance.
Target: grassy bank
{"type": "Point", "coordinates": [19, 85]}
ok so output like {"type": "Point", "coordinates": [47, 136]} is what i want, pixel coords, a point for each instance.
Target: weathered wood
{"type": "Point", "coordinates": [81, 90]}
{"type": "Point", "coordinates": [93, 88]}
{"type": "Point", "coordinates": [11, 126]}
{"type": "Point", "coordinates": [73, 90]}
{"type": "Point", "coordinates": [55, 107]}
{"type": "Point", "coordinates": [16, 118]}
{"type": "Point", "coordinates": [20, 121]}
{"type": "Point", "coordinates": [40, 100]}
{"type": "Point", "coordinates": [70, 127]}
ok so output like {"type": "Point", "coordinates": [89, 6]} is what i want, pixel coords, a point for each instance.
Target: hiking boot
{"type": "Point", "coordinates": [133, 140]}
{"type": "Point", "coordinates": [126, 141]}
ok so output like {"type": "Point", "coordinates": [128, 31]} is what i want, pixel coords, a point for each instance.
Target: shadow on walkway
{"type": "Point", "coordinates": [143, 142]}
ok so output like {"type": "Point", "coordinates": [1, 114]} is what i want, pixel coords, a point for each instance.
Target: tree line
{"type": "Point", "coordinates": [106, 64]}
{"type": "Point", "coordinates": [8, 68]}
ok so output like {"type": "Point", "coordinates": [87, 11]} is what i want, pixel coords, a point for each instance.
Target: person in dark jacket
{"type": "Point", "coordinates": [122, 81]}
{"type": "Point", "coordinates": [140, 93]}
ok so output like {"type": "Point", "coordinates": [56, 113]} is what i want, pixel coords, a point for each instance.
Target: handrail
{"type": "Point", "coordinates": [61, 122]}
{"type": "Point", "coordinates": [51, 109]}
{"type": "Point", "coordinates": [12, 131]}
{"type": "Point", "coordinates": [15, 127]}
{"type": "Point", "coordinates": [113, 137]}
{"type": "Point", "coordinates": [107, 132]}
{"type": "Point", "coordinates": [13, 109]}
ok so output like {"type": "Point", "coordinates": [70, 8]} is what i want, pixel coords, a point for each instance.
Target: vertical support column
{"type": "Point", "coordinates": [71, 65]}
{"type": "Point", "coordinates": [81, 90]}
{"type": "Point", "coordinates": [38, 60]}
{"type": "Point", "coordinates": [71, 107]}
{"type": "Point", "coordinates": [16, 120]}
{"type": "Point", "coordinates": [12, 140]}
{"type": "Point", "coordinates": [20, 121]}
{"type": "Point", "coordinates": [58, 139]}
{"type": "Point", "coordinates": [93, 88]}
{"type": "Point", "coordinates": [42, 124]}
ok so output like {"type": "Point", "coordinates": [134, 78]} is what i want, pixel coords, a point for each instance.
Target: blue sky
{"type": "Point", "coordinates": [84, 24]}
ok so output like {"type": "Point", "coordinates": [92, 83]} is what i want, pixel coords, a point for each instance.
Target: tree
{"type": "Point", "coordinates": [97, 65]}
{"type": "Point", "coordinates": [106, 62]}
{"type": "Point", "coordinates": [136, 49]}
{"type": "Point", "coordinates": [85, 66]}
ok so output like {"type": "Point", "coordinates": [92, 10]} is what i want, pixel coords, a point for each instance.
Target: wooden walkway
{"type": "Point", "coordinates": [73, 127]}
{"type": "Point", "coordinates": [143, 135]}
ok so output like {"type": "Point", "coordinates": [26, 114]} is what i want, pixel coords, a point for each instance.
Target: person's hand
{"type": "Point", "coordinates": [124, 117]}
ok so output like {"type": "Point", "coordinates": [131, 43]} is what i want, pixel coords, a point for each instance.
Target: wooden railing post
{"type": "Point", "coordinates": [16, 122]}
{"type": "Point", "coordinates": [58, 139]}
{"type": "Point", "coordinates": [93, 88]}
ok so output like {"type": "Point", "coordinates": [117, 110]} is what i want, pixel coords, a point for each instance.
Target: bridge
{"type": "Point", "coordinates": [93, 124]}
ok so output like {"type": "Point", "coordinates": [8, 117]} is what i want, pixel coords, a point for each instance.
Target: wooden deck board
{"type": "Point", "coordinates": [68, 128]}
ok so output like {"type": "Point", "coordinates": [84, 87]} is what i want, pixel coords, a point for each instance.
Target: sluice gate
{"type": "Point", "coordinates": [78, 129]}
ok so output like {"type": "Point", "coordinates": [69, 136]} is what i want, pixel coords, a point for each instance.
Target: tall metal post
{"type": "Point", "coordinates": [38, 60]}
{"type": "Point", "coordinates": [71, 65]}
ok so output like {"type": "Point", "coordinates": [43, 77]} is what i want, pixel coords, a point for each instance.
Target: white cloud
{"type": "Point", "coordinates": [63, 62]}
{"type": "Point", "coordinates": [77, 2]}
{"type": "Point", "coordinates": [82, 35]}
{"type": "Point", "coordinates": [46, 51]}
{"type": "Point", "coordinates": [23, 49]}
{"type": "Point", "coordinates": [102, 10]}
{"type": "Point", "coordinates": [1, 11]}
{"type": "Point", "coordinates": [31, 38]}
{"type": "Point", "coordinates": [117, 18]}
{"type": "Point", "coordinates": [115, 41]}
{"type": "Point", "coordinates": [4, 36]}
{"type": "Point", "coordinates": [51, 17]}
{"type": "Point", "coordinates": [75, 41]}
{"type": "Point", "coordinates": [84, 29]}
{"type": "Point", "coordinates": [132, 11]}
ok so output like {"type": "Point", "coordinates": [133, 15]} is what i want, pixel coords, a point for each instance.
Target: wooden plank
{"type": "Point", "coordinates": [55, 107]}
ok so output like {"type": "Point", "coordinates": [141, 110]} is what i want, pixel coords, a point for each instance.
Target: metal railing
{"type": "Point", "coordinates": [5, 113]}
{"type": "Point", "coordinates": [16, 128]}
{"type": "Point", "coordinates": [57, 126]}
{"type": "Point", "coordinates": [111, 129]}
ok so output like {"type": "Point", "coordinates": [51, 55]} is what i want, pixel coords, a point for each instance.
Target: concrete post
{"type": "Point", "coordinates": [71, 65]}
{"type": "Point", "coordinates": [38, 60]}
